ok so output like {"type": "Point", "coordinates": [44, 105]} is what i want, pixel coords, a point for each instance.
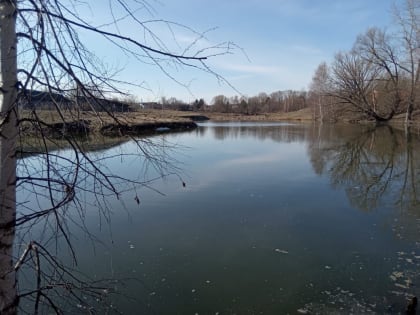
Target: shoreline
{"type": "Point", "coordinates": [152, 122]}
{"type": "Point", "coordinates": [95, 131]}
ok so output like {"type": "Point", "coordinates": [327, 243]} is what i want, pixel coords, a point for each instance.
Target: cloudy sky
{"type": "Point", "coordinates": [280, 43]}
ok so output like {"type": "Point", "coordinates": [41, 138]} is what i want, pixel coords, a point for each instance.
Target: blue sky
{"type": "Point", "coordinates": [283, 42]}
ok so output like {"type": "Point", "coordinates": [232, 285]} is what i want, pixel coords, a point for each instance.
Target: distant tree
{"type": "Point", "coordinates": [221, 104]}
{"type": "Point", "coordinates": [254, 105]}
{"type": "Point", "coordinates": [199, 104]}
{"type": "Point", "coordinates": [163, 101]}
{"type": "Point", "coordinates": [276, 100]}
{"type": "Point", "coordinates": [243, 106]}
{"type": "Point", "coordinates": [288, 100]}
{"type": "Point", "coordinates": [320, 87]}
{"type": "Point", "coordinates": [301, 100]}
{"type": "Point", "coordinates": [263, 102]}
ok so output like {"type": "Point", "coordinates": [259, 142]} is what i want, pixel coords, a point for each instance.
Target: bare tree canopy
{"type": "Point", "coordinates": [46, 47]}
{"type": "Point", "coordinates": [379, 77]}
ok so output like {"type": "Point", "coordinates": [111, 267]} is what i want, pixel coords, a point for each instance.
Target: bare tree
{"type": "Point", "coordinates": [380, 76]}
{"type": "Point", "coordinates": [408, 17]}
{"type": "Point", "coordinates": [356, 81]}
{"type": "Point", "coordinates": [376, 47]}
{"type": "Point", "coordinates": [221, 104]}
{"type": "Point", "coordinates": [276, 100]}
{"type": "Point", "coordinates": [320, 87]}
{"type": "Point", "coordinates": [8, 134]}
{"type": "Point", "coordinates": [40, 49]}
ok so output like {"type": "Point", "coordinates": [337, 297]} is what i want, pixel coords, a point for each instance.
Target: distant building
{"type": "Point", "coordinates": [101, 105]}
{"type": "Point", "coordinates": [151, 105]}
{"type": "Point", "coordinates": [42, 100]}
{"type": "Point", "coordinates": [49, 101]}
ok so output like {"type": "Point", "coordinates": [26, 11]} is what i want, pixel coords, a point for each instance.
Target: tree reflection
{"type": "Point", "coordinates": [376, 166]}
{"type": "Point", "coordinates": [277, 132]}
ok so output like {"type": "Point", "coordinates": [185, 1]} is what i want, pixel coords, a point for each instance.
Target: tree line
{"type": "Point", "coordinates": [376, 80]}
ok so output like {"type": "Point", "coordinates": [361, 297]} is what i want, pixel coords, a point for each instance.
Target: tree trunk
{"type": "Point", "coordinates": [321, 114]}
{"type": "Point", "coordinates": [8, 134]}
{"type": "Point", "coordinates": [409, 112]}
{"type": "Point", "coordinates": [413, 96]}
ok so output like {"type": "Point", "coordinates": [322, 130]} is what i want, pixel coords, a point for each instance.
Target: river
{"type": "Point", "coordinates": [260, 218]}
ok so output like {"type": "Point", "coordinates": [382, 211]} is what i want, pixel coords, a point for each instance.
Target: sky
{"type": "Point", "coordinates": [278, 43]}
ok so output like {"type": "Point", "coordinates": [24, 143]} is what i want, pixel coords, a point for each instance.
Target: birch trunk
{"type": "Point", "coordinates": [8, 134]}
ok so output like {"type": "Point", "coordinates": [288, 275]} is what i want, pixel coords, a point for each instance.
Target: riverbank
{"type": "Point", "coordinates": [149, 122]}
{"type": "Point", "coordinates": [118, 124]}
{"type": "Point", "coordinates": [140, 123]}
{"type": "Point", "coordinates": [99, 119]}
{"type": "Point", "coordinates": [96, 131]}
{"type": "Point", "coordinates": [47, 130]}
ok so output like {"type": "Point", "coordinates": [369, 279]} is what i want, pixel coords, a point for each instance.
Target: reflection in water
{"type": "Point", "coordinates": [375, 166]}
{"type": "Point", "coordinates": [279, 132]}
{"type": "Point", "coordinates": [378, 168]}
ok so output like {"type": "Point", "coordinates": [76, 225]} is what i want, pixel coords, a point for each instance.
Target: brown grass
{"type": "Point", "coordinates": [98, 119]}
{"type": "Point", "coordinates": [301, 115]}
{"type": "Point", "coordinates": [154, 116]}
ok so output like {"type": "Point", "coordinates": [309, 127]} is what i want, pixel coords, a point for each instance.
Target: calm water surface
{"type": "Point", "coordinates": [274, 219]}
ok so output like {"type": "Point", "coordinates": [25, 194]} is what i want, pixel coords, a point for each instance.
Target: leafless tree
{"type": "Point", "coordinates": [408, 18]}
{"type": "Point", "coordinates": [320, 87]}
{"type": "Point", "coordinates": [42, 48]}
{"type": "Point", "coordinates": [8, 134]}
{"type": "Point", "coordinates": [356, 81]}
{"type": "Point", "coordinates": [376, 47]}
{"type": "Point", "coordinates": [380, 76]}
{"type": "Point", "coordinates": [276, 100]}
{"type": "Point", "coordinates": [221, 104]}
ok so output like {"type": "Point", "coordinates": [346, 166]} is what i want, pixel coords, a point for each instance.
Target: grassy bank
{"type": "Point", "coordinates": [159, 117]}
{"type": "Point", "coordinates": [93, 131]}
{"type": "Point", "coordinates": [94, 123]}
{"type": "Point", "coordinates": [105, 131]}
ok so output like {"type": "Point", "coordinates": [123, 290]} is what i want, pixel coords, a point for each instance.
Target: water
{"type": "Point", "coordinates": [274, 218]}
